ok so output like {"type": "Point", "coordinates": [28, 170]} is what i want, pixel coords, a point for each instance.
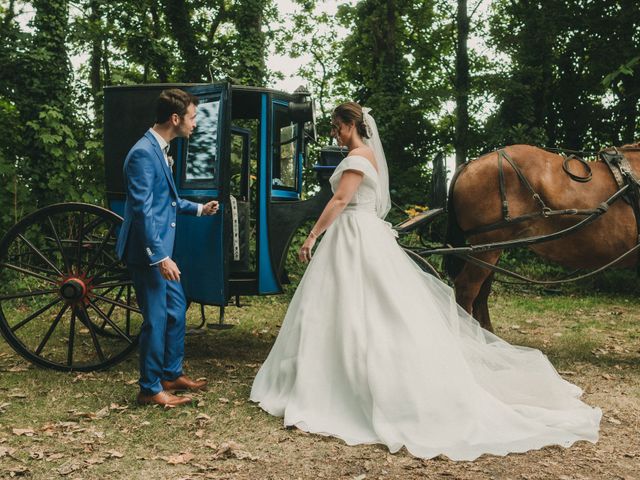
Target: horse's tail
{"type": "Point", "coordinates": [455, 236]}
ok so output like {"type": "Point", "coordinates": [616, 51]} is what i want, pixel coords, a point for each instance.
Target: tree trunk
{"type": "Point", "coordinates": [159, 63]}
{"type": "Point", "coordinates": [96, 62]}
{"type": "Point", "coordinates": [178, 14]}
{"type": "Point", "coordinates": [461, 142]}
{"type": "Point", "coordinates": [251, 66]}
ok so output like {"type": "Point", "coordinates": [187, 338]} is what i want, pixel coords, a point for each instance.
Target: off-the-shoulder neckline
{"type": "Point", "coordinates": [365, 159]}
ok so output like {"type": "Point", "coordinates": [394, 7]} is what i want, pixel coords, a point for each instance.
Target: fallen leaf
{"type": "Point", "coordinates": [6, 451]}
{"type": "Point", "coordinates": [68, 468]}
{"type": "Point", "coordinates": [102, 413]}
{"type": "Point", "coordinates": [203, 416]}
{"type": "Point", "coordinates": [18, 368]}
{"type": "Point", "coordinates": [27, 432]}
{"type": "Point", "coordinates": [18, 471]}
{"type": "Point", "coordinates": [233, 449]}
{"type": "Point", "coordinates": [17, 395]}
{"type": "Point", "coordinates": [180, 459]}
{"type": "Point", "coordinates": [199, 433]}
{"type": "Point", "coordinates": [115, 454]}
{"type": "Point", "coordinates": [223, 400]}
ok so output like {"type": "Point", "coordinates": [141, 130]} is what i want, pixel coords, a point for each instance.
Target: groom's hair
{"type": "Point", "coordinates": [173, 101]}
{"type": "Point", "coordinates": [351, 112]}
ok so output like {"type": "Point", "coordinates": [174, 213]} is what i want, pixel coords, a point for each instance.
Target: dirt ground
{"type": "Point", "coordinates": [86, 426]}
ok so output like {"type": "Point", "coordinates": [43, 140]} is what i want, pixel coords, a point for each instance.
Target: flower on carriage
{"type": "Point", "coordinates": [414, 210]}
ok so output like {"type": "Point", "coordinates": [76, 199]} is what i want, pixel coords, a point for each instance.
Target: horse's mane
{"type": "Point", "coordinates": [631, 145]}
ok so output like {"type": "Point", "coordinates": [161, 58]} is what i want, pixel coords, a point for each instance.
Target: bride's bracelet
{"type": "Point", "coordinates": [312, 234]}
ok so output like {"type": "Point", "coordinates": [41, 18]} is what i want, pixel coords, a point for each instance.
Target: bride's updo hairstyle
{"type": "Point", "coordinates": [351, 112]}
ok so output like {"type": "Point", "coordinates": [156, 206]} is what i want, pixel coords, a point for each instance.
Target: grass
{"type": "Point", "coordinates": [74, 425]}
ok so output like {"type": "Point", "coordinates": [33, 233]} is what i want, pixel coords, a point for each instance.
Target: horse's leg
{"type": "Point", "coordinates": [469, 282]}
{"type": "Point", "coordinates": [481, 306]}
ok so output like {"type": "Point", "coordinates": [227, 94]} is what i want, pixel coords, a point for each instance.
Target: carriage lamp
{"type": "Point", "coordinates": [303, 110]}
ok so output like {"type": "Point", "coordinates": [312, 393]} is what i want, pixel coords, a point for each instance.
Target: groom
{"type": "Point", "coordinates": [145, 243]}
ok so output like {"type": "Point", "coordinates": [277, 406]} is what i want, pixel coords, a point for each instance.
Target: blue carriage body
{"type": "Point", "coordinates": [248, 152]}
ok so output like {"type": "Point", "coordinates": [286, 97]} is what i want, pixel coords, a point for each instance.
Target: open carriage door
{"type": "Point", "coordinates": [202, 175]}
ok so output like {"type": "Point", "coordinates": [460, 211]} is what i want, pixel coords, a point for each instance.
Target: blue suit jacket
{"type": "Point", "coordinates": [149, 228]}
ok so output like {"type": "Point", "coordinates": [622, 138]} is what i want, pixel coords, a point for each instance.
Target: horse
{"type": "Point", "coordinates": [475, 203]}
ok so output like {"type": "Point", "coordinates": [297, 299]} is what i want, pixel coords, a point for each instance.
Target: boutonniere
{"type": "Point", "coordinates": [170, 160]}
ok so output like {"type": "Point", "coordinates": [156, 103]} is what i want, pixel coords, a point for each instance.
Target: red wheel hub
{"type": "Point", "coordinates": [74, 289]}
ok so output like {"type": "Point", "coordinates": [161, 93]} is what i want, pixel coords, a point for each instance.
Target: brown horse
{"type": "Point", "coordinates": [475, 201]}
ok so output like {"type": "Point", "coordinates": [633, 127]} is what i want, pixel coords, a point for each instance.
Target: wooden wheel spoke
{"type": "Point", "coordinates": [128, 314]}
{"type": "Point", "coordinates": [111, 323]}
{"type": "Point", "coordinates": [65, 260]}
{"type": "Point", "coordinates": [100, 248]}
{"type": "Point", "coordinates": [79, 242]}
{"type": "Point", "coordinates": [106, 268]}
{"type": "Point", "coordinates": [113, 285]}
{"type": "Point", "coordinates": [72, 333]}
{"type": "Point", "coordinates": [28, 272]}
{"type": "Point", "coordinates": [117, 299]}
{"type": "Point", "coordinates": [119, 304]}
{"type": "Point", "coordinates": [35, 293]}
{"type": "Point", "coordinates": [39, 253]}
{"type": "Point", "coordinates": [35, 314]}
{"type": "Point", "coordinates": [92, 331]}
{"type": "Point", "coordinates": [93, 224]}
{"type": "Point", "coordinates": [37, 268]}
{"type": "Point", "coordinates": [53, 326]}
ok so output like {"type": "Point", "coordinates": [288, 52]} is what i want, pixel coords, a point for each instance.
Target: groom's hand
{"type": "Point", "coordinates": [210, 208]}
{"type": "Point", "coordinates": [169, 270]}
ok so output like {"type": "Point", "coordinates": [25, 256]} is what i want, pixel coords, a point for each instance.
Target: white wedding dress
{"type": "Point", "coordinates": [373, 350]}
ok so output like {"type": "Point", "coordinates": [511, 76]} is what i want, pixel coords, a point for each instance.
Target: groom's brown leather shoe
{"type": "Point", "coordinates": [184, 383]}
{"type": "Point", "coordinates": [164, 399]}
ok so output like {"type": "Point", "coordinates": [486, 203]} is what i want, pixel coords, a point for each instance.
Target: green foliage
{"type": "Point", "coordinates": [566, 59]}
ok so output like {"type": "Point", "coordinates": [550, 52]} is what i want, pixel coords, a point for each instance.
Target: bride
{"type": "Point", "coordinates": [373, 350]}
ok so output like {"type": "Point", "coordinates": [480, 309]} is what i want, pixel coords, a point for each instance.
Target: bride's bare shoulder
{"type": "Point", "coordinates": [366, 152]}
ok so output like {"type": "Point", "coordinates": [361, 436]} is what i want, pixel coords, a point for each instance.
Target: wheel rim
{"type": "Point", "coordinates": [66, 301]}
{"type": "Point", "coordinates": [424, 265]}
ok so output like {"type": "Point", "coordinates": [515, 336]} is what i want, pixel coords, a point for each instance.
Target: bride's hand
{"type": "Point", "coordinates": [304, 255]}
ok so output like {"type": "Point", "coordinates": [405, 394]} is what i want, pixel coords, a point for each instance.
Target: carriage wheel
{"type": "Point", "coordinates": [422, 263]}
{"type": "Point", "coordinates": [66, 301]}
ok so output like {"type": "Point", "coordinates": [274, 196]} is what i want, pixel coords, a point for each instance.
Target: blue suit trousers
{"type": "Point", "coordinates": [164, 308]}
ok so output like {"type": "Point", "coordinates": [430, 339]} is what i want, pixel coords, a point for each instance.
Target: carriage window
{"type": "Point", "coordinates": [285, 134]}
{"type": "Point", "coordinates": [202, 150]}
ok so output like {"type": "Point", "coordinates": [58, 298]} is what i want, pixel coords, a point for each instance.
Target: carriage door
{"type": "Point", "coordinates": [202, 175]}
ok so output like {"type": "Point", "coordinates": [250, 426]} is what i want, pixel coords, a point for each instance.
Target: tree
{"type": "Point", "coordinates": [554, 92]}
{"type": "Point", "coordinates": [462, 83]}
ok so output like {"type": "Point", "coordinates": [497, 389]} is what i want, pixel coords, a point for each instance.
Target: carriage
{"type": "Point", "coordinates": [66, 300]}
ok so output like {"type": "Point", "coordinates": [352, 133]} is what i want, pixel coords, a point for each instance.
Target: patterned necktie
{"type": "Point", "coordinates": [169, 160]}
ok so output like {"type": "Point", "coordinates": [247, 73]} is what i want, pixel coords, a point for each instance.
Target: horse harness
{"type": "Point", "coordinates": [628, 189]}
{"type": "Point", "coordinates": [545, 211]}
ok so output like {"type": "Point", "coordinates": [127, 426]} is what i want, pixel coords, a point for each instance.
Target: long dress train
{"type": "Point", "coordinates": [373, 350]}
